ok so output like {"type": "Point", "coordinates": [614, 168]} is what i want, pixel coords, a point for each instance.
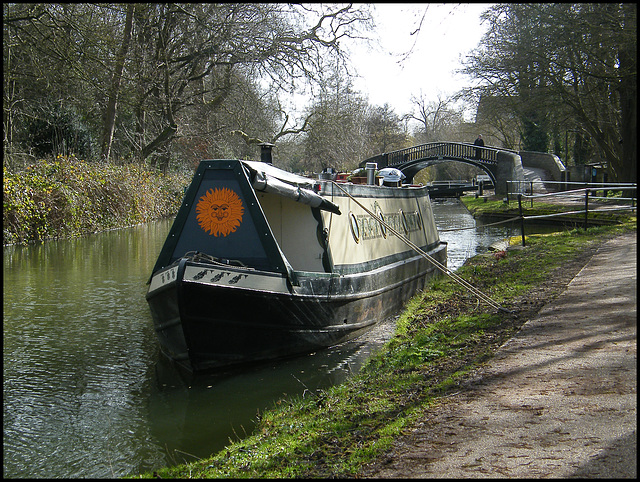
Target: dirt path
{"type": "Point", "coordinates": [558, 400]}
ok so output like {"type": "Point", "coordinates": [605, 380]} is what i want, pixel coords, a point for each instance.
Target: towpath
{"type": "Point", "coordinates": [558, 400]}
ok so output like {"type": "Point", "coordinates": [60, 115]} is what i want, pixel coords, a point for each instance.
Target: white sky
{"type": "Point", "coordinates": [449, 32]}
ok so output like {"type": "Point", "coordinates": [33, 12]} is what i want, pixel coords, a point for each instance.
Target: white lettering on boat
{"type": "Point", "coordinates": [371, 228]}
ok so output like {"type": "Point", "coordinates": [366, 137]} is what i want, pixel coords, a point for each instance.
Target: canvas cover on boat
{"type": "Point", "coordinates": [288, 177]}
{"type": "Point", "coordinates": [265, 177]}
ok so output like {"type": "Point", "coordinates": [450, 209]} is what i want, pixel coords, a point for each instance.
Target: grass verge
{"type": "Point", "coordinates": [443, 334]}
{"type": "Point", "coordinates": [598, 210]}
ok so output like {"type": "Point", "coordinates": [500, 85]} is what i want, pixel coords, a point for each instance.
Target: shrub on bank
{"type": "Point", "coordinates": [66, 197]}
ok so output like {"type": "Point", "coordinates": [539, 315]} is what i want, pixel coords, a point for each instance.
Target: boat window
{"type": "Point", "coordinates": [355, 230]}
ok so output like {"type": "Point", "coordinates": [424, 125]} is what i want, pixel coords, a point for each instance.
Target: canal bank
{"type": "Point", "coordinates": [567, 212]}
{"type": "Point", "coordinates": [559, 399]}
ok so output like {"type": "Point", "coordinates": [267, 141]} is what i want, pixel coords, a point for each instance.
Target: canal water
{"type": "Point", "coordinates": [85, 392]}
{"type": "Point", "coordinates": [466, 236]}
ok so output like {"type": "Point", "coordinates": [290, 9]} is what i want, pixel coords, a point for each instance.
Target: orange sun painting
{"type": "Point", "coordinates": [219, 211]}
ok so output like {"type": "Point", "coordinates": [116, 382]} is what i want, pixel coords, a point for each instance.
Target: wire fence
{"type": "Point", "coordinates": [604, 197]}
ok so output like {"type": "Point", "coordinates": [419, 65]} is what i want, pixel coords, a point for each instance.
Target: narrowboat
{"type": "Point", "coordinates": [261, 264]}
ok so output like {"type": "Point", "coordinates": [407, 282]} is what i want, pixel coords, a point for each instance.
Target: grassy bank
{"type": "Point", "coordinates": [442, 335]}
{"type": "Point", "coordinates": [494, 207]}
{"type": "Point", "coordinates": [66, 197]}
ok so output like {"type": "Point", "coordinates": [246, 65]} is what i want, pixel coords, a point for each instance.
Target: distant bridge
{"type": "Point", "coordinates": [450, 188]}
{"type": "Point", "coordinates": [500, 164]}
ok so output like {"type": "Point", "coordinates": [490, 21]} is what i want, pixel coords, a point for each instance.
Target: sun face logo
{"type": "Point", "coordinates": [219, 211]}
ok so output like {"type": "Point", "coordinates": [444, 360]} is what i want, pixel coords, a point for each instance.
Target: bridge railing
{"type": "Point", "coordinates": [435, 150]}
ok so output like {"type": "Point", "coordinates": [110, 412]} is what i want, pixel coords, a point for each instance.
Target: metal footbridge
{"type": "Point", "coordinates": [500, 164]}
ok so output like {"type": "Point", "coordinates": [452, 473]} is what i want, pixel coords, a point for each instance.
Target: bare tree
{"type": "Point", "coordinates": [54, 54]}
{"type": "Point", "coordinates": [386, 131]}
{"type": "Point", "coordinates": [146, 75]}
{"type": "Point", "coordinates": [201, 48]}
{"type": "Point", "coordinates": [434, 117]}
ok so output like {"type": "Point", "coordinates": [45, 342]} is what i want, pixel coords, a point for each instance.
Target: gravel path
{"type": "Point", "coordinates": [558, 400]}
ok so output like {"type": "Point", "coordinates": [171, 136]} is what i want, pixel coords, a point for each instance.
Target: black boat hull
{"type": "Point", "coordinates": [205, 326]}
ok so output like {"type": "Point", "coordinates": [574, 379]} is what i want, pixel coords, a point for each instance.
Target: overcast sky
{"type": "Point", "coordinates": [448, 32]}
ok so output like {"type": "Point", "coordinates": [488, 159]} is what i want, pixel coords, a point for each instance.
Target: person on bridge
{"type": "Point", "coordinates": [480, 143]}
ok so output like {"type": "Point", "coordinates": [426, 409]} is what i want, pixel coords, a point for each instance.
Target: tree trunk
{"type": "Point", "coordinates": [628, 89]}
{"type": "Point", "coordinates": [110, 115]}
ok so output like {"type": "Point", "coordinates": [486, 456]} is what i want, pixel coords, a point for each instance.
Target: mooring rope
{"type": "Point", "coordinates": [464, 283]}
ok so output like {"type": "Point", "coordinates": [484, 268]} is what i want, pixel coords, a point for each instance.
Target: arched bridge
{"type": "Point", "coordinates": [500, 164]}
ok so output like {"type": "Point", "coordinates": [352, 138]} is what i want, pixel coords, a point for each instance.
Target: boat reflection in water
{"type": "Point", "coordinates": [261, 264]}
{"type": "Point", "coordinates": [198, 414]}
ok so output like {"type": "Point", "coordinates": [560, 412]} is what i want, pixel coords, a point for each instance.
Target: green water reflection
{"type": "Point", "coordinates": [78, 351]}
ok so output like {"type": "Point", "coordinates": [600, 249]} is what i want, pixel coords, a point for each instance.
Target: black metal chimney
{"type": "Point", "coordinates": [265, 152]}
